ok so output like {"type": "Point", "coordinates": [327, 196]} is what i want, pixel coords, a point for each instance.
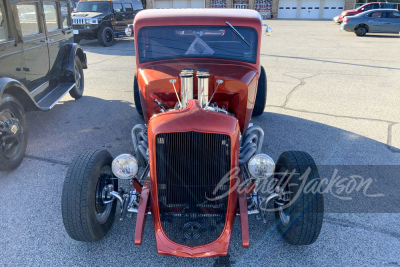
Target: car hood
{"type": "Point", "coordinates": [352, 11]}
{"type": "Point", "coordinates": [88, 14]}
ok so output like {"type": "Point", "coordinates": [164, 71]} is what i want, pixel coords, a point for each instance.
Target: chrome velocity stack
{"type": "Point", "coordinates": [203, 76]}
{"type": "Point", "coordinates": [186, 85]}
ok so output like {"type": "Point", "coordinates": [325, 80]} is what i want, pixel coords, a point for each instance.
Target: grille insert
{"type": "Point", "coordinates": [189, 167]}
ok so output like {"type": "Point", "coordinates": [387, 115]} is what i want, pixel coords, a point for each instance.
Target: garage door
{"type": "Point", "coordinates": [197, 4]}
{"type": "Point", "coordinates": [287, 9]}
{"type": "Point", "coordinates": [180, 4]}
{"type": "Point", "coordinates": [333, 8]}
{"type": "Point", "coordinates": [309, 9]}
{"type": "Point", "coordinates": [162, 4]}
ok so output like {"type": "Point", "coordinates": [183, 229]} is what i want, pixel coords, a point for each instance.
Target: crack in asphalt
{"type": "Point", "coordinates": [332, 115]}
{"type": "Point", "coordinates": [330, 61]}
{"type": "Point", "coordinates": [54, 161]}
{"type": "Point", "coordinates": [302, 82]}
{"type": "Point", "coordinates": [347, 223]}
{"type": "Point", "coordinates": [101, 61]}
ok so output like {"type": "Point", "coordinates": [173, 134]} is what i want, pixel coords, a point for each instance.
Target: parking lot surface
{"type": "Point", "coordinates": [330, 93]}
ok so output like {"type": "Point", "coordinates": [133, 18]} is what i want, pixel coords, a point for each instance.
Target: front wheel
{"type": "Point", "coordinates": [13, 133]}
{"type": "Point", "coordinates": [87, 212]}
{"type": "Point", "coordinates": [106, 36]}
{"type": "Point", "coordinates": [77, 91]}
{"type": "Point", "coordinates": [300, 218]}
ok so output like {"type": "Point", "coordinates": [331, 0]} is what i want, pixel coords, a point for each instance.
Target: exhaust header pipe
{"type": "Point", "coordinates": [203, 76]}
{"type": "Point", "coordinates": [186, 85]}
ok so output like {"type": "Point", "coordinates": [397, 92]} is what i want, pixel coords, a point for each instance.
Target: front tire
{"type": "Point", "coordinates": [85, 216]}
{"type": "Point", "coordinates": [300, 220]}
{"type": "Point", "coordinates": [13, 133]}
{"type": "Point", "coordinates": [77, 91]}
{"type": "Point", "coordinates": [136, 97]}
{"type": "Point", "coordinates": [261, 97]}
{"type": "Point", "coordinates": [106, 36]}
{"type": "Point", "coordinates": [361, 31]}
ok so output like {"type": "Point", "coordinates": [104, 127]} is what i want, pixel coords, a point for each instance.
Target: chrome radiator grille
{"type": "Point", "coordinates": [189, 167]}
{"type": "Point", "coordinates": [79, 21]}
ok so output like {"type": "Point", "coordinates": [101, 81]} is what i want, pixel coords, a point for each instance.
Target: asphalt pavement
{"type": "Point", "coordinates": [330, 93]}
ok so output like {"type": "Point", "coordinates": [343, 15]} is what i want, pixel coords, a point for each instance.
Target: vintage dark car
{"type": "Point", "coordinates": [198, 82]}
{"type": "Point", "coordinates": [103, 20]}
{"type": "Point", "coordinates": [39, 64]}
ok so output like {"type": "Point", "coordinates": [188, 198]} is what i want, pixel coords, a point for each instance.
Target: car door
{"type": "Point", "coordinates": [386, 25]}
{"type": "Point", "coordinates": [36, 55]}
{"type": "Point", "coordinates": [11, 52]}
{"type": "Point", "coordinates": [129, 14]}
{"type": "Point", "coordinates": [376, 21]}
{"type": "Point", "coordinates": [119, 15]}
{"type": "Point", "coordinates": [55, 35]}
{"type": "Point", "coordinates": [395, 21]}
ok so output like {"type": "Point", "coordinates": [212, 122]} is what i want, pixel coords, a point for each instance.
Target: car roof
{"type": "Point", "coordinates": [198, 16]}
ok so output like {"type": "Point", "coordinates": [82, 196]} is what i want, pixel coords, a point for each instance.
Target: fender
{"type": "Point", "coordinates": [19, 91]}
{"type": "Point", "coordinates": [63, 69]}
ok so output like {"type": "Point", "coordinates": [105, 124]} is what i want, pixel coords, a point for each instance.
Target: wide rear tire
{"type": "Point", "coordinates": [261, 97]}
{"type": "Point", "coordinates": [299, 222]}
{"type": "Point", "coordinates": [84, 215]}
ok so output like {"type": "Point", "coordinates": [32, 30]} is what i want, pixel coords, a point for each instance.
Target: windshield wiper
{"type": "Point", "coordinates": [237, 33]}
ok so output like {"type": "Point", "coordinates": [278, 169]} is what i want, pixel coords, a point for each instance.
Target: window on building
{"type": "Point", "coordinates": [51, 16]}
{"type": "Point", "coordinates": [28, 19]}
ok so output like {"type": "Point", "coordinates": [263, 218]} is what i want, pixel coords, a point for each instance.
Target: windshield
{"type": "Point", "coordinates": [157, 43]}
{"type": "Point", "coordinates": [93, 7]}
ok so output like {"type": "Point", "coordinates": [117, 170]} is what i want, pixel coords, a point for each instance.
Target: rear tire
{"type": "Point", "coordinates": [85, 216]}
{"type": "Point", "coordinates": [361, 31]}
{"type": "Point", "coordinates": [136, 97]}
{"type": "Point", "coordinates": [77, 91]}
{"type": "Point", "coordinates": [300, 222]}
{"type": "Point", "coordinates": [13, 133]}
{"type": "Point", "coordinates": [261, 97]}
{"type": "Point", "coordinates": [106, 36]}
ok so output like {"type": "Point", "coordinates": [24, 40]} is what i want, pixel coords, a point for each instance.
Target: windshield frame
{"type": "Point", "coordinates": [254, 47]}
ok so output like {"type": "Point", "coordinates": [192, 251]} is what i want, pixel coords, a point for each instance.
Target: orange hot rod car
{"type": "Point", "coordinates": [198, 82]}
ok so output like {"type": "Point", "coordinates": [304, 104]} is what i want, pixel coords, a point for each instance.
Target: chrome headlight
{"type": "Point", "coordinates": [125, 166]}
{"type": "Point", "coordinates": [87, 21]}
{"type": "Point", "coordinates": [93, 21]}
{"type": "Point", "coordinates": [261, 166]}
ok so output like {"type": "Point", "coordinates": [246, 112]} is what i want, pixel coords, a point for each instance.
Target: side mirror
{"type": "Point", "coordinates": [117, 10]}
{"type": "Point", "coordinates": [268, 30]}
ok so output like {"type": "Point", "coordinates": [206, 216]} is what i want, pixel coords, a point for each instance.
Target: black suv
{"type": "Point", "coordinates": [103, 20]}
{"type": "Point", "coordinates": [39, 64]}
